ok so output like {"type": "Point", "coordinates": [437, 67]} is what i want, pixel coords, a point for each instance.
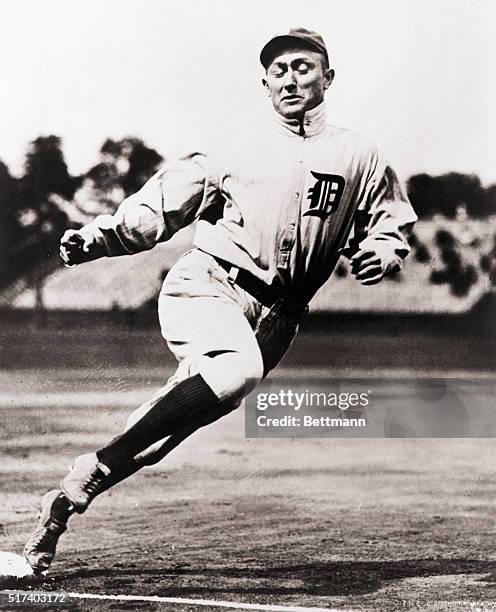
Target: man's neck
{"type": "Point", "coordinates": [307, 125]}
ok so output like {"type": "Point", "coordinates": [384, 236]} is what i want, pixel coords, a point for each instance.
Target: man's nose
{"type": "Point", "coordinates": [290, 80]}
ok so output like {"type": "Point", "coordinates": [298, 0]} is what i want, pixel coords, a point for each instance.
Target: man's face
{"type": "Point", "coordinates": [296, 81]}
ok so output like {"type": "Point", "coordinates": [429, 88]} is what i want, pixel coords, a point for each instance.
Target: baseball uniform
{"type": "Point", "coordinates": [282, 203]}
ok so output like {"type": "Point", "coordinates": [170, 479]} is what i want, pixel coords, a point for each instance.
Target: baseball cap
{"type": "Point", "coordinates": [311, 39]}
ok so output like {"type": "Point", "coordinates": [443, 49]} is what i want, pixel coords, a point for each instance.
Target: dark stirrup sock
{"type": "Point", "coordinates": [189, 401]}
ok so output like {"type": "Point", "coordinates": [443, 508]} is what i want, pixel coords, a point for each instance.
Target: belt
{"type": "Point", "coordinates": [264, 293]}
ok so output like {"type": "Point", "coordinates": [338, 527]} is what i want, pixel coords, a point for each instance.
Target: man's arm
{"type": "Point", "coordinates": [169, 201]}
{"type": "Point", "coordinates": [389, 221]}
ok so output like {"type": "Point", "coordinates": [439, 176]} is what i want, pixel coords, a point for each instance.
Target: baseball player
{"type": "Point", "coordinates": [275, 209]}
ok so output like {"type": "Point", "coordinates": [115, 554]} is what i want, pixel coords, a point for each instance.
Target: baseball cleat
{"type": "Point", "coordinates": [86, 479]}
{"type": "Point", "coordinates": [52, 522]}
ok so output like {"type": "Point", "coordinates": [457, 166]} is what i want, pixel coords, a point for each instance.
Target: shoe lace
{"type": "Point", "coordinates": [93, 483]}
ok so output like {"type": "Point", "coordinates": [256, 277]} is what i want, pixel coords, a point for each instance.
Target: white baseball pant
{"type": "Point", "coordinates": [215, 329]}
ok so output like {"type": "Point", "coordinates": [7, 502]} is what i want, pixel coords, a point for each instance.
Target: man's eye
{"type": "Point", "coordinates": [278, 74]}
{"type": "Point", "coordinates": [303, 68]}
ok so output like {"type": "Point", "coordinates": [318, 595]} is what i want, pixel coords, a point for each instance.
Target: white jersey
{"type": "Point", "coordinates": [283, 203]}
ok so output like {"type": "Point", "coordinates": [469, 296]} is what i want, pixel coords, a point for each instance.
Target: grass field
{"type": "Point", "coordinates": [352, 524]}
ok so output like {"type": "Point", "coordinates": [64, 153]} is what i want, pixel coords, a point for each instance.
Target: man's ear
{"type": "Point", "coordinates": [266, 85]}
{"type": "Point", "coordinates": [329, 77]}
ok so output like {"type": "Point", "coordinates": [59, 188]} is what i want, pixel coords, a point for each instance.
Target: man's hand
{"type": "Point", "coordinates": [370, 266]}
{"type": "Point", "coordinates": [77, 247]}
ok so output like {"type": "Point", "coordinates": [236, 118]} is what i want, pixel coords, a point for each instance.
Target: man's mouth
{"type": "Point", "coordinates": [291, 98]}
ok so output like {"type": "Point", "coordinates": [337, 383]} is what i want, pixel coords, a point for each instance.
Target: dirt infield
{"type": "Point", "coordinates": [377, 524]}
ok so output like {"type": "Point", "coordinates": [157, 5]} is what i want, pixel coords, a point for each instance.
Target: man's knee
{"type": "Point", "coordinates": [231, 375]}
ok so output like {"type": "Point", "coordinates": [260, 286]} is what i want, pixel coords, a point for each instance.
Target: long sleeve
{"type": "Point", "coordinates": [388, 214]}
{"type": "Point", "coordinates": [169, 201]}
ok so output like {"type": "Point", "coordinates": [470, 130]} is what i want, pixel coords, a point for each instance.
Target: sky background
{"type": "Point", "coordinates": [417, 76]}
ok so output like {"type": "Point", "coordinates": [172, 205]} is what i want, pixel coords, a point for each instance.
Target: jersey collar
{"type": "Point", "coordinates": [313, 122]}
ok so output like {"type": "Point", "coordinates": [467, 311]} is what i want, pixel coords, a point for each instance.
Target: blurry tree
{"type": "Point", "coordinates": [45, 174]}
{"type": "Point", "coordinates": [459, 275]}
{"type": "Point", "coordinates": [143, 163]}
{"type": "Point", "coordinates": [102, 187]}
{"type": "Point", "coordinates": [422, 193]}
{"type": "Point", "coordinates": [127, 163]}
{"type": "Point", "coordinates": [487, 263]}
{"type": "Point", "coordinates": [46, 171]}
{"type": "Point", "coordinates": [420, 250]}
{"type": "Point", "coordinates": [124, 166]}
{"type": "Point", "coordinates": [489, 207]}
{"type": "Point", "coordinates": [37, 208]}
{"type": "Point", "coordinates": [445, 194]}
{"type": "Point", "coordinates": [40, 220]}
{"type": "Point", "coordinates": [10, 230]}
{"type": "Point", "coordinates": [461, 190]}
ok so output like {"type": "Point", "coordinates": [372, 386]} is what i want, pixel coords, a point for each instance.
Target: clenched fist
{"type": "Point", "coordinates": [78, 246]}
{"type": "Point", "coordinates": [370, 265]}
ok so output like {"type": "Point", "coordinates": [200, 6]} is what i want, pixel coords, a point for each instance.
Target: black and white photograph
{"type": "Point", "coordinates": [247, 305]}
